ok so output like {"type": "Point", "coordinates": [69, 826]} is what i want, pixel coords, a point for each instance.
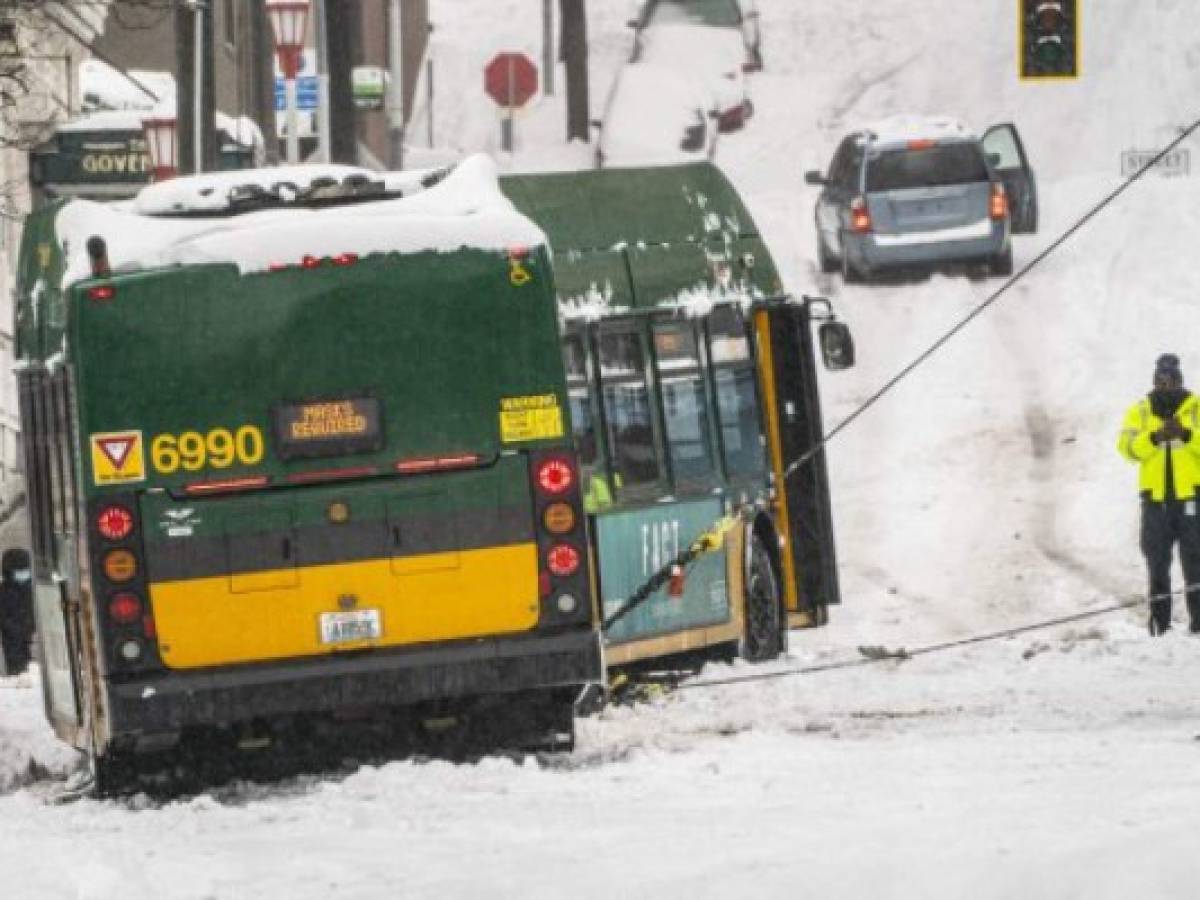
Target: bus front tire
{"type": "Point", "coordinates": [762, 636]}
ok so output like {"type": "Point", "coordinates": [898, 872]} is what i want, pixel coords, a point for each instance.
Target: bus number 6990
{"type": "Point", "coordinates": [219, 448]}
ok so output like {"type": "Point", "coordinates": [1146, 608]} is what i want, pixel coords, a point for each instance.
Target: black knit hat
{"type": "Point", "coordinates": [1167, 366]}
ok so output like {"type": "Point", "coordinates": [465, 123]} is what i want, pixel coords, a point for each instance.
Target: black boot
{"type": "Point", "coordinates": [1160, 618]}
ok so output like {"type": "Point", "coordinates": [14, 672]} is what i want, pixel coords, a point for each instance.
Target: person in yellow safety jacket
{"type": "Point", "coordinates": [1161, 433]}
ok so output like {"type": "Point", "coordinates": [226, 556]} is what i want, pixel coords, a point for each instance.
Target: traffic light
{"type": "Point", "coordinates": [1049, 38]}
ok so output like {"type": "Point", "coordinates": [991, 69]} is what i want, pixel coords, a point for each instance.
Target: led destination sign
{"type": "Point", "coordinates": [328, 427]}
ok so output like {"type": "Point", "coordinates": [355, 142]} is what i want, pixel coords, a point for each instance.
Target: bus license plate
{"type": "Point", "coordinates": [356, 625]}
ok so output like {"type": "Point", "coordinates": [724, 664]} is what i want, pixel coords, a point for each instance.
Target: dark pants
{"type": "Point", "coordinates": [1163, 524]}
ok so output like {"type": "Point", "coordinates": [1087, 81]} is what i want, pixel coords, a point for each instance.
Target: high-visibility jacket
{"type": "Point", "coordinates": [1135, 445]}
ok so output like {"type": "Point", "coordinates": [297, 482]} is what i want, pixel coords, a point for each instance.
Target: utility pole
{"type": "Point", "coordinates": [195, 88]}
{"type": "Point", "coordinates": [395, 90]}
{"type": "Point", "coordinates": [574, 45]}
{"type": "Point", "coordinates": [343, 25]}
{"type": "Point", "coordinates": [320, 27]}
{"type": "Point", "coordinates": [548, 47]}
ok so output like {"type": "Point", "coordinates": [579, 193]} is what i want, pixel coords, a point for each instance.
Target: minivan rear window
{"type": "Point", "coordinates": [928, 167]}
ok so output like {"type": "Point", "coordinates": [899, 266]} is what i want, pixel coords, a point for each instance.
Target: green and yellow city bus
{"type": "Point", "coordinates": [313, 442]}
{"type": "Point", "coordinates": [695, 411]}
{"type": "Point", "coordinates": [298, 443]}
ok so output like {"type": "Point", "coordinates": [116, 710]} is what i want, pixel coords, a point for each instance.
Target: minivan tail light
{"type": "Point", "coordinates": [860, 216]}
{"type": "Point", "coordinates": [998, 205]}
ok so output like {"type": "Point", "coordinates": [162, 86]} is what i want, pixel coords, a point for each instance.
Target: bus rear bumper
{"type": "Point", "coordinates": [170, 702]}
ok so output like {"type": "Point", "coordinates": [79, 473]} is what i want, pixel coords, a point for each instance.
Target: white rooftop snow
{"type": "Point", "coordinates": [465, 209]}
{"type": "Point", "coordinates": [899, 129]}
{"type": "Point", "coordinates": [647, 114]}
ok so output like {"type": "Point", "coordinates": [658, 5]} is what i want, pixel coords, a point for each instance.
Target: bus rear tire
{"type": "Point", "coordinates": [762, 635]}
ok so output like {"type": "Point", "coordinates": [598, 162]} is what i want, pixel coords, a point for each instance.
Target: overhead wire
{"type": "Point", "coordinates": [659, 577]}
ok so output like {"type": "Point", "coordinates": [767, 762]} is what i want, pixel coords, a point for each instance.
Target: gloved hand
{"type": "Point", "coordinates": [1172, 429]}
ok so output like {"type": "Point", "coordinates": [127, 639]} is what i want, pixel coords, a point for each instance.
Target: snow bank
{"type": "Point", "coordinates": [465, 209]}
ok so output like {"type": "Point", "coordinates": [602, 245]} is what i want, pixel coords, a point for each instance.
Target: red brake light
{"type": "Point", "coordinates": [562, 560]}
{"type": "Point", "coordinates": [998, 205]}
{"type": "Point", "coordinates": [345, 259]}
{"type": "Point", "coordinates": [101, 293]}
{"type": "Point", "coordinates": [923, 144]}
{"type": "Point", "coordinates": [248, 483]}
{"type": "Point", "coordinates": [310, 262]}
{"type": "Point", "coordinates": [125, 608]}
{"type": "Point", "coordinates": [860, 216]}
{"type": "Point", "coordinates": [437, 463]}
{"type": "Point", "coordinates": [555, 475]}
{"type": "Point", "coordinates": [115, 523]}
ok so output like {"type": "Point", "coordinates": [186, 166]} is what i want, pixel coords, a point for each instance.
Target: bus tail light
{"type": "Point", "coordinates": [125, 608]}
{"type": "Point", "coordinates": [119, 566]}
{"type": "Point", "coordinates": [101, 293]}
{"type": "Point", "coordinates": [421, 464]}
{"type": "Point", "coordinates": [563, 560]}
{"type": "Point", "coordinates": [115, 523]}
{"type": "Point", "coordinates": [860, 216]}
{"type": "Point", "coordinates": [558, 518]}
{"type": "Point", "coordinates": [564, 585]}
{"type": "Point", "coordinates": [998, 205]}
{"type": "Point", "coordinates": [555, 475]}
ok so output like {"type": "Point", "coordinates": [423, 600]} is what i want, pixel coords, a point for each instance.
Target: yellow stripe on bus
{"type": "Point", "coordinates": [204, 622]}
{"type": "Point", "coordinates": [762, 327]}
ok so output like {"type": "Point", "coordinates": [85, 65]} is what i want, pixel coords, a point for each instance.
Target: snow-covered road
{"type": "Point", "coordinates": [983, 492]}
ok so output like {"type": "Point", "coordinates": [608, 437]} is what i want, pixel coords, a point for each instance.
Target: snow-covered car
{"type": "Point", "coordinates": [654, 116]}
{"type": "Point", "coordinates": [737, 16]}
{"type": "Point", "coordinates": [923, 191]}
{"type": "Point", "coordinates": [714, 57]}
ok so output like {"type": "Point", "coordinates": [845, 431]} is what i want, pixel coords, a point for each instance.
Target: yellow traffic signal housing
{"type": "Point", "coordinates": [1049, 39]}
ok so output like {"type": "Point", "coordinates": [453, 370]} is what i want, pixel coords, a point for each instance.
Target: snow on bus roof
{"type": "Point", "coordinates": [466, 209]}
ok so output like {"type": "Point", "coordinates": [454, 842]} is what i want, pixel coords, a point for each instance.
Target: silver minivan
{"type": "Point", "coordinates": [923, 192]}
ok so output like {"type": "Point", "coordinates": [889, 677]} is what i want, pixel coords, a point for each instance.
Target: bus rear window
{"type": "Point", "coordinates": [626, 399]}
{"type": "Point", "coordinates": [935, 166]}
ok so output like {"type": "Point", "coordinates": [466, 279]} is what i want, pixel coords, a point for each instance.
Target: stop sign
{"type": "Point", "coordinates": [510, 79]}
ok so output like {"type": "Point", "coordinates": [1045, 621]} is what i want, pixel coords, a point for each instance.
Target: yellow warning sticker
{"type": "Point", "coordinates": [118, 458]}
{"type": "Point", "coordinates": [532, 418]}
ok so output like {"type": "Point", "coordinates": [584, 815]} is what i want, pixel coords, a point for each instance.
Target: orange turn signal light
{"type": "Point", "coordinates": [119, 565]}
{"type": "Point", "coordinates": [558, 518]}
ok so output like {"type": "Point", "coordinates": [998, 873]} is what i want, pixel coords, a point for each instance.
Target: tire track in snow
{"type": "Point", "coordinates": [1044, 473]}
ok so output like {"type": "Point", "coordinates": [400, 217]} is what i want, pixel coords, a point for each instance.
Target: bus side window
{"type": "Point", "coordinates": [66, 434]}
{"type": "Point", "coordinates": [737, 398]}
{"type": "Point", "coordinates": [685, 407]}
{"type": "Point", "coordinates": [583, 417]}
{"type": "Point", "coordinates": [626, 398]}
{"type": "Point", "coordinates": [37, 465]}
{"type": "Point", "coordinates": [596, 492]}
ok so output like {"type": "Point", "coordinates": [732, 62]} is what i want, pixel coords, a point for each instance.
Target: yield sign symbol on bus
{"type": "Point", "coordinates": [510, 79]}
{"type": "Point", "coordinates": [117, 449]}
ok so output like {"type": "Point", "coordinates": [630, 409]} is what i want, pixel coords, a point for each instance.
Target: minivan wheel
{"type": "Point", "coordinates": [1002, 265]}
{"type": "Point", "coordinates": [827, 260]}
{"type": "Point", "coordinates": [851, 275]}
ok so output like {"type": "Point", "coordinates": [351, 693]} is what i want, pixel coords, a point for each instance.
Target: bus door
{"type": "Point", "coordinates": [52, 498]}
{"type": "Point", "coordinates": [650, 397]}
{"type": "Point", "coordinates": [787, 369]}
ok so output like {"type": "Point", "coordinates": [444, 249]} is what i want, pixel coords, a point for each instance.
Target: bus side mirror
{"type": "Point", "coordinates": [814, 178]}
{"type": "Point", "coordinates": [837, 345]}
